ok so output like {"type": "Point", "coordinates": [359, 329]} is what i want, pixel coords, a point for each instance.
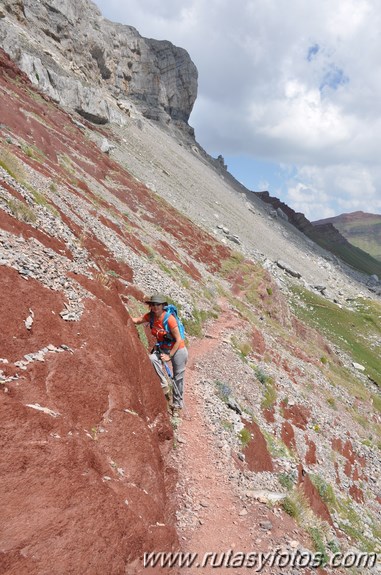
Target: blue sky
{"type": "Point", "coordinates": [289, 92]}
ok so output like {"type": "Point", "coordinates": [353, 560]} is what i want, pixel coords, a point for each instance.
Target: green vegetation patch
{"type": "Point", "coordinates": [364, 233]}
{"type": "Point", "coordinates": [287, 480]}
{"type": "Point", "coordinates": [347, 517]}
{"type": "Point", "coordinates": [246, 275]}
{"type": "Point", "coordinates": [194, 326]}
{"type": "Point", "coordinates": [376, 400]}
{"type": "Point", "coordinates": [353, 525]}
{"type": "Point", "coordinates": [276, 446]}
{"type": "Point", "coordinates": [11, 164]}
{"type": "Point", "coordinates": [245, 437]}
{"type": "Point", "coordinates": [243, 345]}
{"type": "Point", "coordinates": [21, 211]}
{"type": "Point", "coordinates": [355, 331]}
{"type": "Point", "coordinates": [318, 542]}
{"type": "Point", "coordinates": [325, 490]}
{"type": "Point", "coordinates": [351, 254]}
{"type": "Point", "coordinates": [232, 264]}
{"type": "Point", "coordinates": [269, 388]}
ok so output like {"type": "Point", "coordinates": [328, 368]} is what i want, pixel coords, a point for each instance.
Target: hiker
{"type": "Point", "coordinates": [170, 346]}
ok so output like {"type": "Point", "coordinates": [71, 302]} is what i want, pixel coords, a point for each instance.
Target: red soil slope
{"type": "Point", "coordinates": [84, 434]}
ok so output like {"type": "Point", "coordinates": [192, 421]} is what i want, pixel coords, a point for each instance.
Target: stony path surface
{"type": "Point", "coordinates": [215, 517]}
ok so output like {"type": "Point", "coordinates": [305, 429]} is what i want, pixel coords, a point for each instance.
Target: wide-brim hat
{"type": "Point", "coordinates": [157, 298]}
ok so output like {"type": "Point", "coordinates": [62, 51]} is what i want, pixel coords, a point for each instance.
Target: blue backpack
{"type": "Point", "coordinates": [170, 310]}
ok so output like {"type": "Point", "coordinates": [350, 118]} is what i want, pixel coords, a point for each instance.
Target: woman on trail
{"type": "Point", "coordinates": [170, 347]}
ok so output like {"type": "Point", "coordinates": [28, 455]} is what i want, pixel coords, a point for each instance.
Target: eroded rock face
{"type": "Point", "coordinates": [94, 66]}
{"type": "Point", "coordinates": [82, 472]}
{"type": "Point", "coordinates": [85, 437]}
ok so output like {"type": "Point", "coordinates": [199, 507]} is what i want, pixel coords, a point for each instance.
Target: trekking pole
{"type": "Point", "coordinates": [167, 369]}
{"type": "Point", "coordinates": [169, 373]}
{"type": "Point", "coordinates": [158, 353]}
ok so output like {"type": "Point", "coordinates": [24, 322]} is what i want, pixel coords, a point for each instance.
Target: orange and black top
{"type": "Point", "coordinates": [165, 339]}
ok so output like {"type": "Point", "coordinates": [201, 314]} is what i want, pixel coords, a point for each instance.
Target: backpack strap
{"type": "Point", "coordinates": [168, 338]}
{"type": "Point", "coordinates": [172, 310]}
{"type": "Point", "coordinates": [165, 325]}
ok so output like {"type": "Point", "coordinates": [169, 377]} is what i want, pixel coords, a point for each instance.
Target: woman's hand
{"type": "Point", "coordinates": [165, 357]}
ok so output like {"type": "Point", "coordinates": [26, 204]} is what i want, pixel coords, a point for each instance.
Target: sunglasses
{"type": "Point", "coordinates": [154, 304]}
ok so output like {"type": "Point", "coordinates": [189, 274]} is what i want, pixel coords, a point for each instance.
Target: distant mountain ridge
{"type": "Point", "coordinates": [361, 229]}
{"type": "Point", "coordinates": [328, 236]}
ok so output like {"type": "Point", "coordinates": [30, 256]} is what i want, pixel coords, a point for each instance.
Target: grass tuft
{"type": "Point", "coordinates": [245, 437]}
{"type": "Point", "coordinates": [21, 211]}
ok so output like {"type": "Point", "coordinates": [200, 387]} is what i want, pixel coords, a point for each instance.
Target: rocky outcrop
{"type": "Point", "coordinates": [360, 229]}
{"type": "Point", "coordinates": [100, 69]}
{"type": "Point", "coordinates": [324, 234]}
{"type": "Point", "coordinates": [300, 221]}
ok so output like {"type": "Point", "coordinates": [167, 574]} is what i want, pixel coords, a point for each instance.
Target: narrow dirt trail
{"type": "Point", "coordinates": [222, 522]}
{"type": "Point", "coordinates": [219, 526]}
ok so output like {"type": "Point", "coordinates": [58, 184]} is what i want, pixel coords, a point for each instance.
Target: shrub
{"type": "Point", "coordinates": [261, 376]}
{"type": "Point", "coordinates": [333, 546]}
{"type": "Point", "coordinates": [223, 390]}
{"type": "Point", "coordinates": [245, 437]}
{"type": "Point", "coordinates": [325, 490]}
{"type": "Point", "coordinates": [243, 346]}
{"type": "Point", "coordinates": [287, 480]}
{"type": "Point", "coordinates": [276, 446]}
{"type": "Point", "coordinates": [291, 507]}
{"type": "Point", "coordinates": [194, 326]}
{"type": "Point", "coordinates": [318, 543]}
{"type": "Point", "coordinates": [331, 402]}
{"type": "Point", "coordinates": [269, 396]}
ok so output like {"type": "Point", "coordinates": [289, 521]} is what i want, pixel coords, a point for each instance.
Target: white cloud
{"type": "Point", "coordinates": [312, 190]}
{"type": "Point", "coordinates": [292, 82]}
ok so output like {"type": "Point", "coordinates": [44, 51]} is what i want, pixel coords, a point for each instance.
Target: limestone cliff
{"type": "Point", "coordinates": [96, 67]}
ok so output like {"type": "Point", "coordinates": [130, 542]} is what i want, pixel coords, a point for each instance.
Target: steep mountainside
{"type": "Point", "coordinates": [330, 237]}
{"type": "Point", "coordinates": [360, 229]}
{"type": "Point", "coordinates": [284, 339]}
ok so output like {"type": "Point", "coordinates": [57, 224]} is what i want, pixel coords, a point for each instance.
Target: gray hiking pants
{"type": "Point", "coordinates": [178, 361]}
